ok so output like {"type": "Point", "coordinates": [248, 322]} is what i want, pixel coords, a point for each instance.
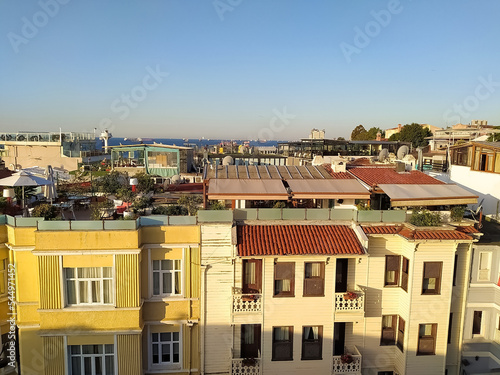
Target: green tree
{"type": "Point", "coordinates": [145, 183]}
{"type": "Point", "coordinates": [371, 134]}
{"type": "Point", "coordinates": [191, 203]}
{"type": "Point", "coordinates": [415, 134]}
{"type": "Point", "coordinates": [358, 133]}
{"type": "Point", "coordinates": [111, 182]}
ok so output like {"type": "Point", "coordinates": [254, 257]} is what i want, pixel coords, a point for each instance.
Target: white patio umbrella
{"type": "Point", "coordinates": [50, 191]}
{"type": "Point", "coordinates": [23, 178]}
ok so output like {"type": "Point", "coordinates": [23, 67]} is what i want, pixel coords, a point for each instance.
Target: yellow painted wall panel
{"type": "Point", "coordinates": [31, 352]}
{"type": "Point", "coordinates": [127, 280]}
{"type": "Point", "coordinates": [21, 236]}
{"type": "Point", "coordinates": [91, 319]}
{"type": "Point", "coordinates": [53, 353]}
{"type": "Point", "coordinates": [3, 233]}
{"type": "Point", "coordinates": [129, 354]}
{"type": "Point", "coordinates": [195, 272]}
{"type": "Point", "coordinates": [28, 314]}
{"type": "Point", "coordinates": [91, 339]}
{"type": "Point", "coordinates": [50, 282]}
{"type": "Point", "coordinates": [160, 254]}
{"type": "Point", "coordinates": [4, 310]}
{"type": "Point", "coordinates": [26, 276]}
{"type": "Point", "coordinates": [161, 311]}
{"type": "Point", "coordinates": [91, 260]}
{"type": "Point", "coordinates": [87, 240]}
{"type": "Point", "coordinates": [152, 235]}
{"type": "Point", "coordinates": [181, 234]}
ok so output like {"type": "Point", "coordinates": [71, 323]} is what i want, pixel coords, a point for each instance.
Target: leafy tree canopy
{"type": "Point", "coordinates": [361, 134]}
{"type": "Point", "coordinates": [413, 133]}
{"type": "Point", "coordinates": [358, 132]}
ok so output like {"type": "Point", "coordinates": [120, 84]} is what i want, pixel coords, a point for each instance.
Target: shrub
{"type": "Point", "coordinates": [95, 213]}
{"type": "Point", "coordinates": [279, 204]}
{"type": "Point", "coordinates": [111, 182]}
{"type": "Point", "coordinates": [191, 203]}
{"type": "Point", "coordinates": [125, 194]}
{"type": "Point", "coordinates": [425, 218]}
{"type": "Point", "coordinates": [170, 210]}
{"type": "Point", "coordinates": [362, 205]}
{"type": "Point", "coordinates": [144, 182]}
{"type": "Point", "coordinates": [216, 205]}
{"type": "Point", "coordinates": [47, 211]}
{"type": "Point", "coordinates": [457, 213]}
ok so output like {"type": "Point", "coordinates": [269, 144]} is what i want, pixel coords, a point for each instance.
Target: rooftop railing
{"type": "Point", "coordinates": [46, 137]}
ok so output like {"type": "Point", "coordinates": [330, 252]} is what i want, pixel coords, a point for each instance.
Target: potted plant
{"type": "Point", "coordinates": [249, 298]}
{"type": "Point", "coordinates": [350, 296]}
{"type": "Point", "coordinates": [346, 358]}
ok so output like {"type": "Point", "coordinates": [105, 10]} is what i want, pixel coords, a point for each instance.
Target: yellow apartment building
{"type": "Point", "coordinates": [115, 297]}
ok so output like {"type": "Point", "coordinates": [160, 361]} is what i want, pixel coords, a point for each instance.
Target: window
{"type": "Point", "coordinates": [314, 279]}
{"type": "Point", "coordinates": [282, 343]}
{"type": "Point", "coordinates": [252, 276]}
{"type": "Point", "coordinates": [92, 359]}
{"type": "Point", "coordinates": [476, 323]}
{"type": "Point", "coordinates": [165, 348]}
{"type": "Point", "coordinates": [3, 277]}
{"type": "Point", "coordinates": [167, 277]}
{"type": "Point", "coordinates": [404, 273]}
{"type": "Point", "coordinates": [432, 278]}
{"type": "Point", "coordinates": [449, 328]}
{"type": "Point", "coordinates": [427, 339]}
{"type": "Point", "coordinates": [455, 270]}
{"type": "Point", "coordinates": [284, 279]}
{"type": "Point", "coordinates": [90, 285]}
{"type": "Point", "coordinates": [250, 340]}
{"type": "Point", "coordinates": [392, 264]}
{"type": "Point", "coordinates": [388, 330]}
{"type": "Point", "coordinates": [312, 342]}
{"type": "Point", "coordinates": [397, 269]}
{"type": "Point", "coordinates": [484, 266]}
{"type": "Point", "coordinates": [401, 333]}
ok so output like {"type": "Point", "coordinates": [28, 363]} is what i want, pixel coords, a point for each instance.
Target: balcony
{"type": "Point", "coordinates": [348, 363]}
{"type": "Point", "coordinates": [350, 302]}
{"type": "Point", "coordinates": [244, 366]}
{"type": "Point", "coordinates": [247, 303]}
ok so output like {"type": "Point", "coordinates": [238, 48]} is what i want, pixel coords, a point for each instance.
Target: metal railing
{"type": "Point", "coordinates": [348, 363]}
{"type": "Point", "coordinates": [247, 303]}
{"type": "Point", "coordinates": [350, 301]}
{"type": "Point", "coordinates": [246, 366]}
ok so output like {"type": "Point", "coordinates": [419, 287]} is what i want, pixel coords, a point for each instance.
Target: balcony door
{"type": "Point", "coordinates": [252, 276]}
{"type": "Point", "coordinates": [250, 340]}
{"type": "Point", "coordinates": [338, 338]}
{"type": "Point", "coordinates": [341, 276]}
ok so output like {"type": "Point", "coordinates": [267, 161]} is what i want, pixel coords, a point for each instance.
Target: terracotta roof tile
{"type": "Point", "coordinates": [297, 240]}
{"type": "Point", "coordinates": [468, 229]}
{"type": "Point", "coordinates": [375, 176]}
{"type": "Point", "coordinates": [412, 234]}
{"type": "Point", "coordinates": [337, 175]}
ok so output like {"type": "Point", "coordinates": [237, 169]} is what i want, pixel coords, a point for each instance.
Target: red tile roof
{"type": "Point", "coordinates": [375, 176]}
{"type": "Point", "coordinates": [468, 229]}
{"type": "Point", "coordinates": [337, 175]}
{"type": "Point", "coordinates": [412, 234]}
{"type": "Point", "coordinates": [264, 240]}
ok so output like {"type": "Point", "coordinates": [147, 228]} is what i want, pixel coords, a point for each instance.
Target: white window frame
{"type": "Point", "coordinates": [160, 364]}
{"type": "Point", "coordinates": [172, 275]}
{"type": "Point", "coordinates": [100, 279]}
{"type": "Point", "coordinates": [80, 355]}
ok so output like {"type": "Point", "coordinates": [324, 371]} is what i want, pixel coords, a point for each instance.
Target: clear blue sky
{"type": "Point", "coordinates": [234, 64]}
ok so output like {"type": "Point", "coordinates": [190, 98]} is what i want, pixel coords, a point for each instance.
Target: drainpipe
{"type": "Point", "coordinates": [202, 318]}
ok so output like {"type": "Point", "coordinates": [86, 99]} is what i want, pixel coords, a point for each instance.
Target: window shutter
{"type": "Point", "coordinates": [432, 269]}
{"type": "Point", "coordinates": [392, 263]}
{"type": "Point", "coordinates": [284, 270]}
{"type": "Point", "coordinates": [404, 276]}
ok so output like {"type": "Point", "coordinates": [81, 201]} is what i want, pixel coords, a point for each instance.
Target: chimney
{"type": "Point", "coordinates": [379, 136]}
{"type": "Point", "coordinates": [399, 127]}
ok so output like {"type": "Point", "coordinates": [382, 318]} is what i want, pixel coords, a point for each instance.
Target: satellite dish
{"type": "Point", "coordinates": [383, 154]}
{"type": "Point", "coordinates": [228, 160]}
{"type": "Point", "coordinates": [402, 152]}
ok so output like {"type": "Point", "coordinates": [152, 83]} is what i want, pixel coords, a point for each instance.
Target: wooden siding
{"type": "Point", "coordinates": [53, 353]}
{"type": "Point", "coordinates": [127, 280]}
{"type": "Point", "coordinates": [50, 282]}
{"type": "Point", "coordinates": [129, 354]}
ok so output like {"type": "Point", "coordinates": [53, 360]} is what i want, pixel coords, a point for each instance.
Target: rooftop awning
{"type": "Point", "coordinates": [427, 195]}
{"type": "Point", "coordinates": [328, 189]}
{"type": "Point", "coordinates": [247, 189]}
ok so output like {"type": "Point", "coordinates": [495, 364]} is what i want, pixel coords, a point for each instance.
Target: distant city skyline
{"type": "Point", "coordinates": [237, 69]}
